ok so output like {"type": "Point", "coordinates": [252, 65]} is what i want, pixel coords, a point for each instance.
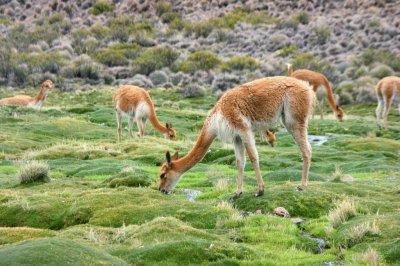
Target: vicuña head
{"type": "Point", "coordinates": [237, 116]}
{"type": "Point", "coordinates": [28, 101]}
{"type": "Point", "coordinates": [135, 103]}
{"type": "Point", "coordinates": [318, 80]}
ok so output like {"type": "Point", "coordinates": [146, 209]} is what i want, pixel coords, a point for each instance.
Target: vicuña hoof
{"type": "Point", "coordinates": [259, 193]}
{"type": "Point", "coordinates": [235, 196]}
{"type": "Point", "coordinates": [300, 188]}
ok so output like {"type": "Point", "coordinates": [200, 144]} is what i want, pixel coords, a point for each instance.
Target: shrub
{"type": "Point", "coordinates": [241, 63]}
{"type": "Point", "coordinates": [83, 67]}
{"type": "Point", "coordinates": [302, 17]}
{"type": "Point", "coordinates": [100, 32]}
{"type": "Point", "coordinates": [383, 56]}
{"type": "Point", "coordinates": [322, 34]}
{"type": "Point", "coordinates": [158, 77]}
{"type": "Point", "coordinates": [123, 26]}
{"type": "Point", "coordinates": [343, 211]}
{"type": "Point", "coordinates": [192, 90]}
{"type": "Point", "coordinates": [163, 7]}
{"type": "Point", "coordinates": [154, 58]}
{"type": "Point", "coordinates": [381, 71]}
{"type": "Point", "coordinates": [200, 60]}
{"type": "Point", "coordinates": [288, 50]}
{"type": "Point", "coordinates": [101, 7]}
{"type": "Point", "coordinates": [170, 16]}
{"type": "Point", "coordinates": [111, 57]}
{"type": "Point", "coordinates": [202, 29]}
{"type": "Point", "coordinates": [34, 171]}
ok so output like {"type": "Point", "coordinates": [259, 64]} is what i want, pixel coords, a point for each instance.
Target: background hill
{"type": "Point", "coordinates": [192, 45]}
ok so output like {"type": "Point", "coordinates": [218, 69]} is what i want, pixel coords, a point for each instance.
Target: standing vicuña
{"type": "Point", "coordinates": [24, 100]}
{"type": "Point", "coordinates": [135, 102]}
{"type": "Point", "coordinates": [242, 111]}
{"type": "Point", "coordinates": [318, 80]}
{"type": "Point", "coordinates": [386, 90]}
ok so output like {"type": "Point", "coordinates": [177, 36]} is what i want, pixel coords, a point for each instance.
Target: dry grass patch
{"type": "Point", "coordinates": [358, 232]}
{"type": "Point", "coordinates": [33, 171]}
{"type": "Point", "coordinates": [344, 210]}
{"type": "Point", "coordinates": [370, 257]}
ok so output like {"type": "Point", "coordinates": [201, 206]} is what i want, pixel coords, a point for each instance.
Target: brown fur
{"type": "Point", "coordinates": [24, 100]}
{"type": "Point", "coordinates": [128, 98]}
{"type": "Point", "coordinates": [318, 80]}
{"type": "Point", "coordinates": [386, 90]}
{"type": "Point", "coordinates": [241, 112]}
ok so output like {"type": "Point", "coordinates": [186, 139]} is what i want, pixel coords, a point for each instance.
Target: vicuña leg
{"type": "Point", "coordinates": [240, 163]}
{"type": "Point", "coordinates": [140, 126]}
{"type": "Point", "coordinates": [250, 145]}
{"type": "Point", "coordinates": [388, 102]}
{"type": "Point", "coordinates": [118, 115]}
{"type": "Point", "coordinates": [321, 109]}
{"type": "Point", "coordinates": [378, 112]}
{"type": "Point", "coordinates": [130, 126]}
{"type": "Point", "coordinates": [299, 134]}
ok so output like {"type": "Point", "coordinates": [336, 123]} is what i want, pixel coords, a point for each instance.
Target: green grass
{"type": "Point", "coordinates": [102, 205]}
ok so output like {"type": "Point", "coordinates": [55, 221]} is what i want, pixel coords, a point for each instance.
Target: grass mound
{"type": "Point", "coordinates": [55, 251]}
{"type": "Point", "coordinates": [130, 177]}
{"type": "Point", "coordinates": [34, 171]}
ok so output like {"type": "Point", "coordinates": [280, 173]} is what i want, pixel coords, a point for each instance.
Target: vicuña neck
{"type": "Point", "coordinates": [198, 151]}
{"type": "Point", "coordinates": [329, 95]}
{"type": "Point", "coordinates": [154, 120]}
{"type": "Point", "coordinates": [41, 96]}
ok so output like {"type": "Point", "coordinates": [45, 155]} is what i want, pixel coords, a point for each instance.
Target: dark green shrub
{"type": "Point", "coordinates": [163, 7]}
{"type": "Point", "coordinates": [302, 17]}
{"type": "Point", "coordinates": [202, 29]}
{"type": "Point", "coordinates": [322, 34]}
{"type": "Point", "coordinates": [381, 71]}
{"type": "Point", "coordinates": [83, 67]}
{"type": "Point", "coordinates": [40, 62]}
{"type": "Point", "coordinates": [153, 59]}
{"type": "Point", "coordinates": [383, 56]}
{"type": "Point", "coordinates": [288, 50]}
{"type": "Point", "coordinates": [100, 8]}
{"type": "Point", "coordinates": [200, 60]}
{"type": "Point", "coordinates": [111, 57]}
{"type": "Point", "coordinates": [241, 63]}
{"type": "Point", "coordinates": [123, 27]}
{"type": "Point", "coordinates": [170, 16]}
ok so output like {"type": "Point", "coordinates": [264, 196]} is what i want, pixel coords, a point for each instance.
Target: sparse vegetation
{"type": "Point", "coordinates": [342, 212]}
{"type": "Point", "coordinates": [200, 60]}
{"type": "Point", "coordinates": [101, 7]}
{"type": "Point", "coordinates": [154, 58]}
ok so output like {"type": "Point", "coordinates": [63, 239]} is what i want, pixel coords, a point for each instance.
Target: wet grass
{"type": "Point", "coordinates": [102, 205]}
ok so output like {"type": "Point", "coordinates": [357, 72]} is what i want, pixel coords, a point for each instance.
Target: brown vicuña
{"type": "Point", "coordinates": [318, 80]}
{"type": "Point", "coordinates": [24, 100]}
{"type": "Point", "coordinates": [386, 91]}
{"type": "Point", "coordinates": [242, 111]}
{"type": "Point", "coordinates": [135, 102]}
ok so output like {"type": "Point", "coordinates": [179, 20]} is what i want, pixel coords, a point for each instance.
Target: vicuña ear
{"type": "Point", "coordinates": [175, 156]}
{"type": "Point", "coordinates": [170, 125]}
{"type": "Point", "coordinates": [167, 125]}
{"type": "Point", "coordinates": [337, 107]}
{"type": "Point", "coordinates": [168, 157]}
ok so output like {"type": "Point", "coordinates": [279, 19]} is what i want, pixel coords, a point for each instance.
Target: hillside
{"type": "Point", "coordinates": [193, 44]}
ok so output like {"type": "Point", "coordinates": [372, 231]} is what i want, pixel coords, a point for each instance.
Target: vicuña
{"type": "Point", "coordinates": [238, 115]}
{"type": "Point", "coordinates": [317, 81]}
{"type": "Point", "coordinates": [135, 102]}
{"type": "Point", "coordinates": [386, 91]}
{"type": "Point", "coordinates": [24, 100]}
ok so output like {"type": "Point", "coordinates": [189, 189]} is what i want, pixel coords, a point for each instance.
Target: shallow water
{"type": "Point", "coordinates": [317, 140]}
{"type": "Point", "coordinates": [191, 194]}
{"type": "Point", "coordinates": [320, 241]}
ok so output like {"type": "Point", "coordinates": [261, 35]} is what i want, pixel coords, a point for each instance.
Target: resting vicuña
{"type": "Point", "coordinates": [28, 101]}
{"type": "Point", "coordinates": [242, 111]}
{"type": "Point", "coordinates": [135, 102]}
{"type": "Point", "coordinates": [317, 81]}
{"type": "Point", "coordinates": [386, 90]}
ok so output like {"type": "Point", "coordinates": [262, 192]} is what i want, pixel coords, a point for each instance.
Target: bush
{"type": "Point", "coordinates": [154, 58]}
{"type": "Point", "coordinates": [383, 56]}
{"type": "Point", "coordinates": [381, 71]}
{"type": "Point", "coordinates": [163, 7]}
{"type": "Point", "coordinates": [100, 8]}
{"type": "Point", "coordinates": [123, 27]}
{"type": "Point", "coordinates": [34, 171]}
{"type": "Point", "coordinates": [111, 57]}
{"type": "Point", "coordinates": [83, 67]}
{"type": "Point", "coordinates": [130, 177]}
{"type": "Point", "coordinates": [200, 60]}
{"type": "Point", "coordinates": [241, 63]}
{"type": "Point", "coordinates": [158, 77]}
{"type": "Point", "coordinates": [322, 34]}
{"type": "Point", "coordinates": [170, 16]}
{"type": "Point", "coordinates": [302, 17]}
{"type": "Point", "coordinates": [192, 90]}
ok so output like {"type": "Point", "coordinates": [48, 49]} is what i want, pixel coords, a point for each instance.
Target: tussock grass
{"type": "Point", "coordinates": [222, 185]}
{"type": "Point", "coordinates": [370, 257]}
{"type": "Point", "coordinates": [358, 232]}
{"type": "Point", "coordinates": [342, 212]}
{"type": "Point", "coordinates": [33, 171]}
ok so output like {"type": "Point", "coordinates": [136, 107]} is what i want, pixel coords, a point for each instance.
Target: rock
{"type": "Point", "coordinates": [280, 211]}
{"type": "Point", "coordinates": [297, 221]}
{"type": "Point", "coordinates": [259, 212]}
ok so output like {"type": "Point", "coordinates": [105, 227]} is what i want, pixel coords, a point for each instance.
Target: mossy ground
{"type": "Point", "coordinates": [102, 205]}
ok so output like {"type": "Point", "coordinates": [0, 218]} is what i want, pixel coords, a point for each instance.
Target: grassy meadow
{"type": "Point", "coordinates": [102, 206]}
